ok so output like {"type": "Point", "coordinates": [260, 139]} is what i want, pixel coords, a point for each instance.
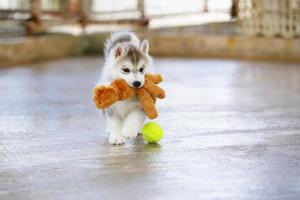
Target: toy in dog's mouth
{"type": "Point", "coordinates": [105, 96]}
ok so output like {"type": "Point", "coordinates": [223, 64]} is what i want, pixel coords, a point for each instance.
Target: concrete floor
{"type": "Point", "coordinates": [232, 131]}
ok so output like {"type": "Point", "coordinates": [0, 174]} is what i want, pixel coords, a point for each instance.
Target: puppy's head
{"type": "Point", "coordinates": [131, 63]}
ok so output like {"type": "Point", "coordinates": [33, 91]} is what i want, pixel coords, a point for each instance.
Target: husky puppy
{"type": "Point", "coordinates": [127, 58]}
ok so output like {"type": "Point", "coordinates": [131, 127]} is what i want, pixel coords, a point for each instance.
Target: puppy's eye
{"type": "Point", "coordinates": [126, 70]}
{"type": "Point", "coordinates": [141, 69]}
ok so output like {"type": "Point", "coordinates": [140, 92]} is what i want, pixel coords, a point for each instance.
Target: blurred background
{"type": "Point", "coordinates": [231, 117]}
{"type": "Point", "coordinates": [227, 28]}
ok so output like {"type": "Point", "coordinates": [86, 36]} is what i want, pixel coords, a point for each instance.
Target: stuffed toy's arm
{"type": "Point", "coordinates": [105, 96]}
{"type": "Point", "coordinates": [153, 89]}
{"type": "Point", "coordinates": [155, 78]}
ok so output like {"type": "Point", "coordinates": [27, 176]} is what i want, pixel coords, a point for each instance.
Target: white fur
{"type": "Point", "coordinates": [124, 118]}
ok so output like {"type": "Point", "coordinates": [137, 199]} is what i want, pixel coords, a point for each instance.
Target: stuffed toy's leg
{"type": "Point", "coordinates": [147, 103]}
{"type": "Point", "coordinates": [105, 96]}
{"type": "Point", "coordinates": [133, 123]}
{"type": "Point", "coordinates": [114, 126]}
{"type": "Point", "coordinates": [156, 79]}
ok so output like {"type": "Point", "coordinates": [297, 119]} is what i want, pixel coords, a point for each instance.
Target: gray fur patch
{"type": "Point", "coordinates": [134, 55]}
{"type": "Point", "coordinates": [110, 44]}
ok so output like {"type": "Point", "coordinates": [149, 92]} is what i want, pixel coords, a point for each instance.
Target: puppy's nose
{"type": "Point", "coordinates": [136, 84]}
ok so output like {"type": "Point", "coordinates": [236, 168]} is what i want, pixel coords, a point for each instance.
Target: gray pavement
{"type": "Point", "coordinates": [232, 131]}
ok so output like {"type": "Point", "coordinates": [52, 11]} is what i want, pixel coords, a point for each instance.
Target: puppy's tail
{"type": "Point", "coordinates": [120, 37]}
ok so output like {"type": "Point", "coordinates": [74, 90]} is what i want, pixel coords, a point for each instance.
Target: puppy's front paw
{"type": "Point", "coordinates": [116, 139]}
{"type": "Point", "coordinates": [129, 131]}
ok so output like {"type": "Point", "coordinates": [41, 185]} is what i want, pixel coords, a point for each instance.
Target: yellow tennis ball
{"type": "Point", "coordinates": [152, 132]}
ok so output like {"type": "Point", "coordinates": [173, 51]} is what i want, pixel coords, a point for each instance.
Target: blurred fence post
{"type": "Point", "coordinates": [143, 21]}
{"type": "Point", "coordinates": [65, 8]}
{"type": "Point", "coordinates": [34, 24]}
{"type": "Point", "coordinates": [141, 8]}
{"type": "Point", "coordinates": [35, 8]}
{"type": "Point", "coordinates": [84, 12]}
{"type": "Point", "coordinates": [205, 6]}
{"type": "Point", "coordinates": [234, 9]}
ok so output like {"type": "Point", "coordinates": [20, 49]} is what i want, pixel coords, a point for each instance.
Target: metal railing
{"type": "Point", "coordinates": [21, 17]}
{"type": "Point", "coordinates": [29, 17]}
{"type": "Point", "coordinates": [271, 18]}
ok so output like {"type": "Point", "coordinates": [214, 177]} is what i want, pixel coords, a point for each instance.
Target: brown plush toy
{"type": "Point", "coordinates": [105, 96]}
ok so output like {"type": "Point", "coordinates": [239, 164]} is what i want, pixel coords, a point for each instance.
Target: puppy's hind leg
{"type": "Point", "coordinates": [114, 125]}
{"type": "Point", "coordinates": [133, 122]}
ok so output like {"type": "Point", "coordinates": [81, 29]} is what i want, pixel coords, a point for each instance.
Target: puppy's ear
{"type": "Point", "coordinates": [145, 46]}
{"type": "Point", "coordinates": [119, 51]}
